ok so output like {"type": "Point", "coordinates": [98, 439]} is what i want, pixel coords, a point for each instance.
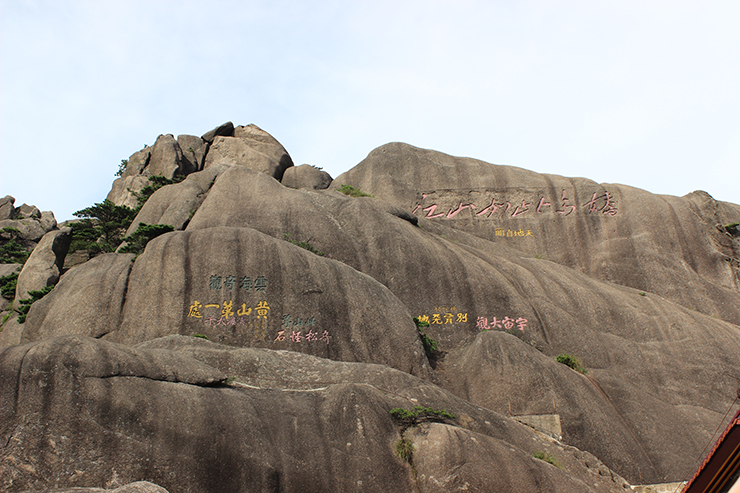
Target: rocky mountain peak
{"type": "Point", "coordinates": [238, 323]}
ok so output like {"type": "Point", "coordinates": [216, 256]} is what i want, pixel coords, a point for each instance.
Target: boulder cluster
{"type": "Point", "coordinates": [408, 326]}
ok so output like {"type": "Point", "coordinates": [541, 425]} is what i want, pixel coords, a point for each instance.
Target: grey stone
{"type": "Point", "coordinates": [176, 204]}
{"type": "Point", "coordinates": [254, 149]}
{"type": "Point", "coordinates": [136, 487]}
{"type": "Point", "coordinates": [48, 221]}
{"type": "Point", "coordinates": [28, 212]}
{"type": "Point", "coordinates": [7, 210]}
{"type": "Point", "coordinates": [31, 230]}
{"type": "Point", "coordinates": [100, 403]}
{"type": "Point", "coordinates": [166, 159]}
{"type": "Point", "coordinates": [137, 162]}
{"type": "Point", "coordinates": [7, 269]}
{"type": "Point", "coordinates": [306, 176]}
{"type": "Point", "coordinates": [225, 129]}
{"type": "Point", "coordinates": [193, 152]}
{"type": "Point", "coordinates": [45, 263]}
{"type": "Point", "coordinates": [674, 245]}
{"type": "Point", "coordinates": [95, 293]}
{"type": "Point", "coordinates": [11, 331]}
{"type": "Point", "coordinates": [123, 189]}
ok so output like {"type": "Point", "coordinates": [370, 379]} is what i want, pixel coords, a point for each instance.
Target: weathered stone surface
{"type": "Point", "coordinates": [254, 133]}
{"type": "Point", "coordinates": [306, 176]}
{"type": "Point", "coordinates": [12, 331]}
{"type": "Point", "coordinates": [193, 151]}
{"type": "Point", "coordinates": [94, 295]}
{"type": "Point", "coordinates": [122, 191]}
{"type": "Point", "coordinates": [7, 269]}
{"type": "Point", "coordinates": [28, 211]}
{"type": "Point", "coordinates": [45, 263]}
{"type": "Point", "coordinates": [133, 179]}
{"type": "Point", "coordinates": [48, 221]}
{"type": "Point", "coordinates": [225, 129]}
{"type": "Point", "coordinates": [450, 458]}
{"type": "Point", "coordinates": [101, 403]}
{"type": "Point", "coordinates": [32, 230]}
{"type": "Point", "coordinates": [136, 487]}
{"type": "Point", "coordinates": [184, 282]}
{"type": "Point", "coordinates": [7, 209]}
{"type": "Point", "coordinates": [607, 273]}
{"type": "Point", "coordinates": [76, 258]}
{"type": "Point", "coordinates": [254, 149]}
{"type": "Point", "coordinates": [653, 243]}
{"type": "Point", "coordinates": [137, 162]}
{"type": "Point", "coordinates": [166, 159]}
{"type": "Point", "coordinates": [177, 203]}
{"type": "Point", "coordinates": [436, 269]}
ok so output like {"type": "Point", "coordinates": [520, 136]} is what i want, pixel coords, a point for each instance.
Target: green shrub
{"type": "Point", "coordinates": [405, 450]}
{"type": "Point", "coordinates": [11, 251]}
{"type": "Point", "coordinates": [303, 244]}
{"type": "Point", "coordinates": [572, 362]}
{"type": "Point", "coordinates": [418, 414]}
{"type": "Point", "coordinates": [25, 304]}
{"type": "Point", "coordinates": [201, 336]}
{"type": "Point", "coordinates": [155, 183]}
{"type": "Point", "coordinates": [136, 242]}
{"type": "Point", "coordinates": [732, 228]}
{"type": "Point", "coordinates": [122, 167]}
{"type": "Point", "coordinates": [430, 345]}
{"type": "Point", "coordinates": [353, 192]}
{"type": "Point", "coordinates": [550, 459]}
{"type": "Point", "coordinates": [8, 284]}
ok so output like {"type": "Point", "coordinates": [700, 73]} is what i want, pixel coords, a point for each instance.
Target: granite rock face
{"type": "Point", "coordinates": [45, 263]}
{"type": "Point", "coordinates": [165, 410]}
{"type": "Point", "coordinates": [251, 147]}
{"type": "Point", "coordinates": [307, 298]}
{"type": "Point", "coordinates": [244, 146]}
{"type": "Point", "coordinates": [653, 243]}
{"type": "Point", "coordinates": [306, 176]}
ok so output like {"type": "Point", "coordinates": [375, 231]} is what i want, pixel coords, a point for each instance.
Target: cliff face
{"type": "Point", "coordinates": [307, 297]}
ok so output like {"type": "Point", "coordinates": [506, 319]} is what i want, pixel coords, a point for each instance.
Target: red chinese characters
{"type": "Point", "coordinates": [507, 323]}
{"type": "Point", "coordinates": [508, 203]}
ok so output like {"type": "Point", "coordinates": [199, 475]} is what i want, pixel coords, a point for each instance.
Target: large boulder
{"type": "Point", "coordinates": [7, 209]}
{"type": "Point", "coordinates": [177, 203]}
{"type": "Point", "coordinates": [45, 264]}
{"type": "Point", "coordinates": [225, 129]}
{"type": "Point", "coordinates": [31, 229]}
{"type": "Point", "coordinates": [124, 189]}
{"type": "Point", "coordinates": [132, 180]}
{"type": "Point", "coordinates": [172, 417]}
{"type": "Point", "coordinates": [94, 292]}
{"type": "Point", "coordinates": [236, 286]}
{"type": "Point", "coordinates": [306, 176]}
{"type": "Point", "coordinates": [166, 159]}
{"type": "Point", "coordinates": [251, 147]}
{"type": "Point", "coordinates": [193, 152]}
{"type": "Point", "coordinates": [463, 283]}
{"type": "Point", "coordinates": [615, 233]}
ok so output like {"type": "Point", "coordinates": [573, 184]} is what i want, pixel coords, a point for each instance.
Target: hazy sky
{"type": "Point", "coordinates": [644, 93]}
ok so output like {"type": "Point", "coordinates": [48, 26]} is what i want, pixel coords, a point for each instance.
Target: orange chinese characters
{"type": "Point", "coordinates": [227, 310]}
{"type": "Point", "coordinates": [195, 310]}
{"type": "Point", "coordinates": [262, 309]}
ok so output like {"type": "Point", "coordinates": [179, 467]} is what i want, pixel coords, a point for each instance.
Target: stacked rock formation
{"type": "Point", "coordinates": [263, 343]}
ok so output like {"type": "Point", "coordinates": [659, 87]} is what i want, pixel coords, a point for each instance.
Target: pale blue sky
{"type": "Point", "coordinates": [645, 93]}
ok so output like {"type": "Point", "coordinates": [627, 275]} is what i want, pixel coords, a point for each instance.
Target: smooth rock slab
{"type": "Point", "coordinates": [45, 264]}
